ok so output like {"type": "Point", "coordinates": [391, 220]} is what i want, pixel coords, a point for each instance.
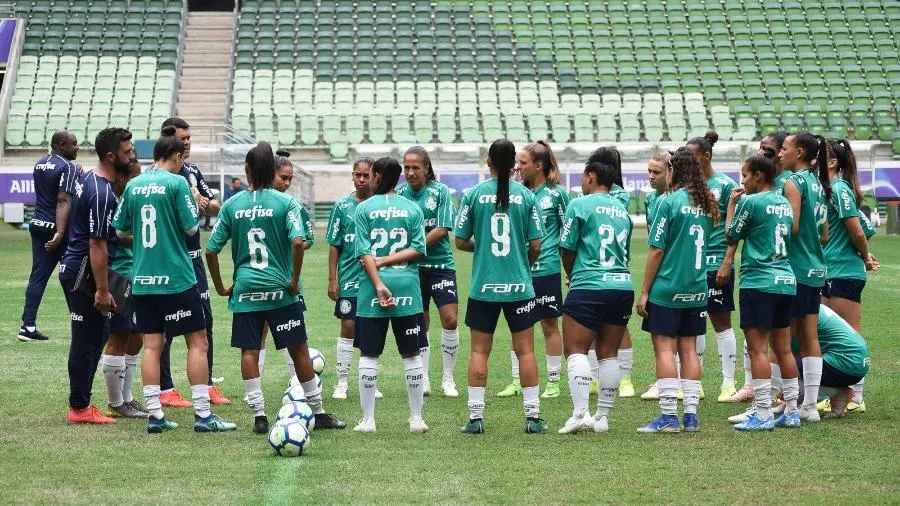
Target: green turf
{"type": "Point", "coordinates": [44, 460]}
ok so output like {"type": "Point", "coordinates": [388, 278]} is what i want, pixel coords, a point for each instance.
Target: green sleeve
{"type": "Point", "coordinates": [740, 223]}
{"type": "Point", "coordinates": [445, 209]}
{"type": "Point", "coordinates": [463, 227]}
{"type": "Point", "coordinates": [660, 228]}
{"type": "Point", "coordinates": [188, 215]}
{"type": "Point", "coordinates": [571, 230]}
{"type": "Point", "coordinates": [868, 229]}
{"type": "Point", "coordinates": [122, 218]}
{"type": "Point", "coordinates": [562, 203]}
{"type": "Point", "coordinates": [535, 229]}
{"type": "Point", "coordinates": [309, 235]}
{"type": "Point", "coordinates": [221, 232]}
{"type": "Point", "coordinates": [294, 224]}
{"type": "Point", "coordinates": [844, 202]}
{"type": "Point", "coordinates": [333, 232]}
{"type": "Point", "coordinates": [362, 244]}
{"type": "Point", "coordinates": [417, 241]}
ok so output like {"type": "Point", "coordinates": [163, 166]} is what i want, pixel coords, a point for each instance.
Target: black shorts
{"type": "Point", "coordinates": [719, 299]}
{"type": "Point", "coordinates": [345, 308]}
{"type": "Point", "coordinates": [807, 301]}
{"type": "Point", "coordinates": [763, 310]}
{"type": "Point", "coordinates": [831, 377]}
{"type": "Point", "coordinates": [844, 288]}
{"type": "Point", "coordinates": [88, 324]}
{"type": "Point", "coordinates": [123, 324]}
{"type": "Point", "coordinates": [438, 284]}
{"type": "Point", "coordinates": [286, 324]}
{"type": "Point", "coordinates": [482, 316]}
{"type": "Point", "coordinates": [596, 308]}
{"type": "Point", "coordinates": [371, 333]}
{"type": "Point", "coordinates": [548, 295]}
{"type": "Point", "coordinates": [672, 322]}
{"type": "Point", "coordinates": [176, 314]}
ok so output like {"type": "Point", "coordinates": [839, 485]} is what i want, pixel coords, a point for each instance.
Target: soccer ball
{"type": "Point", "coordinates": [317, 359]}
{"type": "Point", "coordinates": [294, 393]}
{"type": "Point", "coordinates": [288, 438]}
{"type": "Point", "coordinates": [299, 411]}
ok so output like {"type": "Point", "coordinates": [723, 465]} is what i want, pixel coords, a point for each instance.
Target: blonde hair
{"type": "Point", "coordinates": [662, 156]}
{"type": "Point", "coordinates": [541, 153]}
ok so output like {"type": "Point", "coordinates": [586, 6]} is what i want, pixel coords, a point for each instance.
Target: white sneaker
{"type": "Point", "coordinates": [601, 423]}
{"type": "Point", "coordinates": [340, 391]}
{"type": "Point", "coordinates": [808, 414]}
{"type": "Point", "coordinates": [575, 425]}
{"type": "Point", "coordinates": [365, 426]}
{"type": "Point", "coordinates": [417, 425]}
{"type": "Point", "coordinates": [448, 386]}
{"type": "Point", "coordinates": [742, 417]}
{"type": "Point", "coordinates": [652, 393]}
{"type": "Point", "coordinates": [426, 387]}
{"type": "Point", "coordinates": [378, 394]}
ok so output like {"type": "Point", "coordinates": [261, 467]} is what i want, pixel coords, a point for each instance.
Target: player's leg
{"type": "Point", "coordinates": [170, 396]}
{"type": "Point", "coordinates": [780, 342]}
{"type": "Point", "coordinates": [132, 350]}
{"type": "Point", "coordinates": [442, 287]}
{"type": "Point", "coordinates": [406, 333]}
{"type": "Point", "coordinates": [663, 323]}
{"type": "Point", "coordinates": [262, 349]}
{"type": "Point", "coordinates": [345, 311]}
{"type": "Point", "coordinates": [42, 264]}
{"type": "Point", "coordinates": [370, 338]}
{"type": "Point", "coordinates": [425, 283]}
{"type": "Point", "coordinates": [246, 335]}
{"type": "Point", "coordinates": [690, 367]}
{"type": "Point", "coordinates": [90, 330]}
{"type": "Point", "coordinates": [845, 298]}
{"type": "Point", "coordinates": [215, 396]}
{"type": "Point", "coordinates": [577, 340]}
{"type": "Point", "coordinates": [553, 340]}
{"type": "Point", "coordinates": [625, 358]}
{"type": "Point", "coordinates": [761, 414]}
{"type": "Point", "coordinates": [613, 321]}
{"type": "Point", "coordinates": [115, 369]}
{"type": "Point", "coordinates": [804, 325]}
{"type": "Point", "coordinates": [521, 317]}
{"type": "Point", "coordinates": [481, 318]}
{"type": "Point", "coordinates": [720, 305]}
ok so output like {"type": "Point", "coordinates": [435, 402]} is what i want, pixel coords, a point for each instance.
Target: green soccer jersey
{"type": "Point", "coordinates": [621, 194]}
{"type": "Point", "coordinates": [763, 220]}
{"type": "Point", "coordinates": [841, 257]}
{"type": "Point", "coordinates": [261, 226]}
{"type": "Point", "coordinates": [780, 179]}
{"type": "Point", "coordinates": [123, 263]}
{"type": "Point", "coordinates": [551, 204]}
{"type": "Point", "coordinates": [387, 224]}
{"type": "Point", "coordinates": [158, 208]}
{"type": "Point", "coordinates": [341, 233]}
{"type": "Point", "coordinates": [650, 204]}
{"type": "Point", "coordinates": [681, 230]}
{"type": "Point", "coordinates": [437, 207]}
{"type": "Point", "coordinates": [309, 235]}
{"type": "Point", "coordinates": [720, 186]}
{"type": "Point", "coordinates": [806, 255]}
{"type": "Point", "coordinates": [500, 268]}
{"type": "Point", "coordinates": [867, 227]}
{"type": "Point", "coordinates": [842, 347]}
{"type": "Point", "coordinates": [597, 228]}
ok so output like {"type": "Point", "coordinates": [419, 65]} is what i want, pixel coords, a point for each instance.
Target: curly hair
{"type": "Point", "coordinates": [686, 174]}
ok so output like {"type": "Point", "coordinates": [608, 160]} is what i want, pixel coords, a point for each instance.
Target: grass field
{"type": "Point", "coordinates": [44, 460]}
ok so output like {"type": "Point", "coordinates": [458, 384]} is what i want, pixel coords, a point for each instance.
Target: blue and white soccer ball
{"type": "Point", "coordinates": [289, 438]}
{"type": "Point", "coordinates": [299, 411]}
{"type": "Point", "coordinates": [317, 359]}
{"type": "Point", "coordinates": [294, 393]}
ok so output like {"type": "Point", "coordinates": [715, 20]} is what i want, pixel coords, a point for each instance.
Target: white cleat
{"type": "Point", "coordinates": [575, 425]}
{"type": "Point", "coordinates": [601, 423]}
{"type": "Point", "coordinates": [448, 386]}
{"type": "Point", "coordinates": [417, 426]}
{"type": "Point", "coordinates": [809, 414]}
{"type": "Point", "coordinates": [742, 417]}
{"type": "Point", "coordinates": [365, 426]}
{"type": "Point", "coordinates": [652, 393]}
{"type": "Point", "coordinates": [426, 387]}
{"type": "Point", "coordinates": [340, 391]}
{"type": "Point", "coordinates": [378, 394]}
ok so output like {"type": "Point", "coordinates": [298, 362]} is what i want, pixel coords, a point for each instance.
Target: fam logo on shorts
{"type": "Point", "coordinates": [345, 306]}
{"type": "Point", "coordinates": [431, 203]}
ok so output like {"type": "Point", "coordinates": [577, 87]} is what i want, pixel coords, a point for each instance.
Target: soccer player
{"type": "Point", "coordinates": [157, 209]}
{"type": "Point", "coordinates": [502, 217]}
{"type": "Point", "coordinates": [719, 270]}
{"type": "Point", "coordinates": [437, 273]}
{"type": "Point", "coordinates": [344, 270]}
{"type": "Point", "coordinates": [770, 147]}
{"type": "Point", "coordinates": [390, 242]}
{"type": "Point", "coordinates": [595, 252]}
{"type": "Point", "coordinates": [267, 231]}
{"type": "Point", "coordinates": [209, 206]}
{"type": "Point", "coordinates": [656, 175]}
{"type": "Point", "coordinates": [673, 295]}
{"type": "Point", "coordinates": [540, 172]}
{"type": "Point", "coordinates": [86, 260]}
{"type": "Point", "coordinates": [55, 176]}
{"type": "Point", "coordinates": [809, 191]}
{"type": "Point", "coordinates": [763, 219]}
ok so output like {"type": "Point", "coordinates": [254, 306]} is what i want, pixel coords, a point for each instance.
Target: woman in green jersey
{"type": "Point", "coordinates": [770, 147]}
{"type": "Point", "coordinates": [673, 295]}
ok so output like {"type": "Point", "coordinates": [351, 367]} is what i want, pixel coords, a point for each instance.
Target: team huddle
{"type": "Point", "coordinates": [133, 275]}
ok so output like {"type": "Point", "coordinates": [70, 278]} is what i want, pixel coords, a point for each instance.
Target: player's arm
{"type": "Point", "coordinates": [334, 236]}
{"type": "Point", "coordinates": [792, 194]}
{"type": "Point", "coordinates": [217, 239]}
{"type": "Point", "coordinates": [534, 251]}
{"type": "Point", "coordinates": [444, 220]}
{"type": "Point", "coordinates": [333, 253]}
{"type": "Point", "coordinates": [63, 205]}
{"type": "Point", "coordinates": [295, 225]}
{"type": "Point", "coordinates": [98, 253]}
{"type": "Point", "coordinates": [462, 230]}
{"type": "Point", "coordinates": [568, 240]}
{"type": "Point", "coordinates": [298, 246]}
{"type": "Point", "coordinates": [204, 197]}
{"type": "Point", "coordinates": [568, 260]}
{"type": "Point", "coordinates": [724, 272]}
{"type": "Point", "coordinates": [215, 273]}
{"type": "Point", "coordinates": [654, 260]}
{"type": "Point", "coordinates": [534, 229]}
{"type": "Point", "coordinates": [417, 245]}
{"type": "Point", "coordinates": [186, 206]}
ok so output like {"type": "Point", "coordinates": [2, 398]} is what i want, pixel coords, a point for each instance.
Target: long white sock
{"type": "Point", "coordinates": [726, 343]}
{"type": "Point", "coordinates": [449, 348]}
{"type": "Point", "coordinates": [130, 370]}
{"type": "Point", "coordinates": [200, 396]}
{"type": "Point", "coordinates": [691, 389]}
{"type": "Point", "coordinates": [415, 373]}
{"type": "Point", "coordinates": [776, 379]}
{"type": "Point", "coordinates": [791, 393]}
{"type": "Point", "coordinates": [858, 391]}
{"type": "Point", "coordinates": [677, 366]}
{"type": "Point", "coordinates": [626, 362]}
{"type": "Point", "coordinates": [253, 389]}
{"type": "Point", "coordinates": [748, 374]}
{"type": "Point", "coordinates": [579, 372]}
{"type": "Point", "coordinates": [701, 347]}
{"type": "Point", "coordinates": [595, 365]}
{"type": "Point", "coordinates": [609, 385]}
{"type": "Point", "coordinates": [531, 401]}
{"type": "Point", "coordinates": [426, 355]}
{"type": "Point", "coordinates": [554, 365]}
{"type": "Point", "coordinates": [114, 377]}
{"type": "Point", "coordinates": [514, 359]}
{"type": "Point", "coordinates": [344, 359]}
{"type": "Point", "coordinates": [762, 400]}
{"type": "Point", "coordinates": [151, 399]}
{"type": "Point", "coordinates": [289, 362]}
{"type": "Point", "coordinates": [668, 395]}
{"type": "Point", "coordinates": [476, 403]}
{"type": "Point", "coordinates": [812, 377]}
{"type": "Point", "coordinates": [313, 393]}
{"type": "Point", "coordinates": [262, 361]}
{"type": "Point", "coordinates": [368, 383]}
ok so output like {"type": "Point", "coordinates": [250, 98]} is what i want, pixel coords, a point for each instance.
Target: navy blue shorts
{"type": "Point", "coordinates": [596, 308]}
{"type": "Point", "coordinates": [438, 284]}
{"type": "Point", "coordinates": [345, 308]}
{"type": "Point", "coordinates": [286, 324]}
{"type": "Point", "coordinates": [844, 288]}
{"type": "Point", "coordinates": [176, 314]}
{"type": "Point", "coordinates": [672, 322]}
{"type": "Point", "coordinates": [520, 315]}
{"type": "Point", "coordinates": [548, 295]}
{"type": "Point", "coordinates": [807, 301]}
{"type": "Point", "coordinates": [302, 303]}
{"type": "Point", "coordinates": [831, 377]}
{"type": "Point", "coordinates": [719, 299]}
{"type": "Point", "coordinates": [123, 324]}
{"type": "Point", "coordinates": [88, 324]}
{"type": "Point", "coordinates": [763, 310]}
{"type": "Point", "coordinates": [371, 334]}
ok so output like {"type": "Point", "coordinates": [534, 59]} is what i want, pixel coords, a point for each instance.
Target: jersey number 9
{"type": "Point", "coordinates": [500, 233]}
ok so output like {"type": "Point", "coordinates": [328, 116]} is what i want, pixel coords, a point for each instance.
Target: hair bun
{"type": "Point", "coordinates": [283, 152]}
{"type": "Point", "coordinates": [712, 136]}
{"type": "Point", "coordinates": [168, 131]}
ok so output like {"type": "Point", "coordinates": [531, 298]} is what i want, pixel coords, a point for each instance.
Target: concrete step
{"type": "Point", "coordinates": [208, 46]}
{"type": "Point", "coordinates": [217, 72]}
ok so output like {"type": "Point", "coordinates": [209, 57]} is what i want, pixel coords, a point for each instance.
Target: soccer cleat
{"type": "Point", "coordinates": [89, 414]}
{"type": "Point", "coordinates": [754, 423]}
{"type": "Point", "coordinates": [824, 406]}
{"type": "Point", "coordinates": [601, 423]}
{"type": "Point", "coordinates": [261, 425]}
{"type": "Point", "coordinates": [551, 390]}
{"type": "Point", "coordinates": [787, 421]}
{"type": "Point", "coordinates": [745, 394]}
{"type": "Point", "coordinates": [839, 404]}
{"type": "Point", "coordinates": [665, 423]}
{"type": "Point", "coordinates": [855, 407]}
{"type": "Point", "coordinates": [535, 426]}
{"type": "Point", "coordinates": [365, 426]}
{"type": "Point", "coordinates": [742, 417]}
{"type": "Point", "coordinates": [448, 387]}
{"type": "Point", "coordinates": [173, 399]}
{"type": "Point", "coordinates": [159, 425]}
{"type": "Point", "coordinates": [126, 410]}
{"type": "Point", "coordinates": [212, 423]}
{"type": "Point", "coordinates": [340, 391]}
{"type": "Point", "coordinates": [329, 421]}
{"type": "Point", "coordinates": [726, 391]}
{"type": "Point", "coordinates": [136, 405]}
{"type": "Point", "coordinates": [652, 393]}
{"type": "Point", "coordinates": [514, 388]}
{"type": "Point", "coordinates": [417, 425]}
{"type": "Point", "coordinates": [626, 388]}
{"type": "Point", "coordinates": [426, 387]}
{"type": "Point", "coordinates": [216, 398]}
{"type": "Point", "coordinates": [574, 424]}
{"type": "Point", "coordinates": [473, 427]}
{"type": "Point", "coordinates": [809, 414]}
{"type": "Point", "coordinates": [27, 336]}
{"type": "Point", "coordinates": [691, 424]}
{"type": "Point", "coordinates": [593, 389]}
{"type": "Point", "coordinates": [378, 394]}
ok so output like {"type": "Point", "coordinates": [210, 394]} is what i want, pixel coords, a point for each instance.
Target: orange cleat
{"type": "Point", "coordinates": [216, 397]}
{"type": "Point", "coordinates": [173, 399]}
{"type": "Point", "coordinates": [89, 414]}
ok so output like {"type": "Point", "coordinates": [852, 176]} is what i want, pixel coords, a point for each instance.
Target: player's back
{"type": "Point", "coordinates": [599, 227]}
{"type": "Point", "coordinates": [806, 254]}
{"type": "Point", "coordinates": [52, 174]}
{"type": "Point", "coordinates": [841, 256]}
{"type": "Point", "coordinates": [720, 186]}
{"type": "Point", "coordinates": [842, 347]}
{"type": "Point", "coordinates": [552, 202]}
{"type": "Point", "coordinates": [764, 220]}
{"type": "Point", "coordinates": [90, 216]}
{"type": "Point", "coordinates": [341, 233]}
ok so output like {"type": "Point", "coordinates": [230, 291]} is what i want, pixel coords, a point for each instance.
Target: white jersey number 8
{"type": "Point", "coordinates": [148, 226]}
{"type": "Point", "coordinates": [259, 255]}
{"type": "Point", "coordinates": [500, 233]}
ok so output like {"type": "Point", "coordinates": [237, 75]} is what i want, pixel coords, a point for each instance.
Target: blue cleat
{"type": "Point", "coordinates": [159, 425]}
{"type": "Point", "coordinates": [756, 423]}
{"type": "Point", "coordinates": [212, 423]}
{"type": "Point", "coordinates": [665, 423]}
{"type": "Point", "coordinates": [691, 424]}
{"type": "Point", "coordinates": [787, 421]}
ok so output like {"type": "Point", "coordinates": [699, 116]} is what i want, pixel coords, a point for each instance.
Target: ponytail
{"type": "Point", "coordinates": [502, 158]}
{"type": "Point", "coordinates": [686, 174]}
{"type": "Point", "coordinates": [389, 169]}
{"type": "Point", "coordinates": [611, 156]}
{"type": "Point", "coordinates": [540, 152]}
{"type": "Point", "coordinates": [260, 166]}
{"type": "Point", "coordinates": [846, 162]}
{"type": "Point", "coordinates": [821, 167]}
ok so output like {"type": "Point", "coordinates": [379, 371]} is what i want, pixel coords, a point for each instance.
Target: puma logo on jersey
{"type": "Point", "coordinates": [386, 214]}
{"type": "Point", "coordinates": [261, 296]}
{"type": "Point", "coordinates": [177, 316]}
{"type": "Point", "coordinates": [254, 212]}
{"type": "Point", "coordinates": [289, 325]}
{"type": "Point", "coordinates": [503, 287]}
{"type": "Point", "coordinates": [151, 280]}
{"type": "Point", "coordinates": [150, 189]}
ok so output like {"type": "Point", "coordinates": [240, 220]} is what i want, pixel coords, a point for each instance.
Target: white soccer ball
{"type": "Point", "coordinates": [294, 393]}
{"type": "Point", "coordinates": [299, 411]}
{"type": "Point", "coordinates": [289, 438]}
{"type": "Point", "coordinates": [317, 359]}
